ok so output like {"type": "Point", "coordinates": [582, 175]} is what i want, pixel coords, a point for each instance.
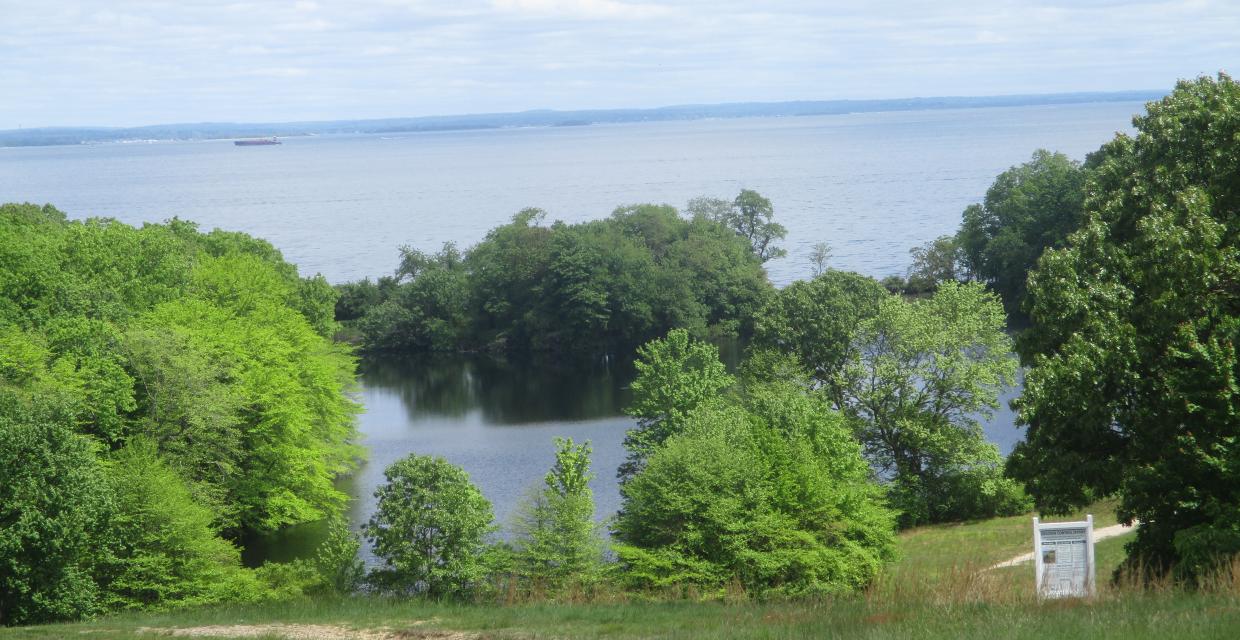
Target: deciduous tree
{"type": "Point", "coordinates": [1133, 387]}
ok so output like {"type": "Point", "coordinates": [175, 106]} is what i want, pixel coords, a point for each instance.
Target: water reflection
{"type": "Point", "coordinates": [505, 392]}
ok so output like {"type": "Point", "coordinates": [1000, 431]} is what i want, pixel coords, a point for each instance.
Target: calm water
{"type": "Point", "coordinates": [870, 185]}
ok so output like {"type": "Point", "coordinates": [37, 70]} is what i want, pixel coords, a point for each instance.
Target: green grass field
{"type": "Point", "coordinates": [939, 588]}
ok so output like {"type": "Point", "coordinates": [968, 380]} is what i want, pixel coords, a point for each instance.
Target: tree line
{"type": "Point", "coordinates": [603, 286]}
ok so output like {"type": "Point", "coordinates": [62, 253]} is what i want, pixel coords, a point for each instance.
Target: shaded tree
{"type": "Point", "coordinates": [54, 504]}
{"type": "Point", "coordinates": [1133, 384]}
{"type": "Point", "coordinates": [934, 262]}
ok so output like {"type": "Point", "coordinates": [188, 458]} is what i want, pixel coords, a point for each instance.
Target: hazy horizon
{"type": "Point", "coordinates": [88, 125]}
{"type": "Point", "coordinates": [127, 63]}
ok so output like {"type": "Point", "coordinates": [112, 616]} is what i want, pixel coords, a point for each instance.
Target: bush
{"type": "Point", "coordinates": [429, 529]}
{"type": "Point", "coordinates": [336, 559]}
{"type": "Point", "coordinates": [774, 495]}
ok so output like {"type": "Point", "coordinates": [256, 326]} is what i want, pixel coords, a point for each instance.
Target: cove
{"type": "Point", "coordinates": [497, 419]}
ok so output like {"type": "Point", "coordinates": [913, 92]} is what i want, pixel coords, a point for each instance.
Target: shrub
{"type": "Point", "coordinates": [336, 559]}
{"type": "Point", "coordinates": [774, 495]}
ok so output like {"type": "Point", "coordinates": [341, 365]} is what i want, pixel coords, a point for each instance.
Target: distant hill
{"type": "Point", "coordinates": [540, 118]}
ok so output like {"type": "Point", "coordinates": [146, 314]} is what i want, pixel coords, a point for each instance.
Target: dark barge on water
{"type": "Point", "coordinates": [256, 143]}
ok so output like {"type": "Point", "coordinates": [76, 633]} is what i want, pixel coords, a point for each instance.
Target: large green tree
{"type": "Point", "coordinates": [198, 367]}
{"type": "Point", "coordinates": [1133, 387]}
{"type": "Point", "coordinates": [1028, 208]}
{"type": "Point", "coordinates": [54, 508]}
{"type": "Point", "coordinates": [917, 379]}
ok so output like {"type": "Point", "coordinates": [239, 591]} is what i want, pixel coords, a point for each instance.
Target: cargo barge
{"type": "Point", "coordinates": [256, 143]}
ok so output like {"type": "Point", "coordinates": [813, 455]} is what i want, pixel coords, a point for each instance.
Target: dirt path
{"type": "Point", "coordinates": [1099, 534]}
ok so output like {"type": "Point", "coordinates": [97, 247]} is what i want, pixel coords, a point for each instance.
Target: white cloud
{"type": "Point", "coordinates": [592, 9]}
{"type": "Point", "coordinates": [134, 61]}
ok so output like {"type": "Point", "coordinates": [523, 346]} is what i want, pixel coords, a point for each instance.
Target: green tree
{"type": "Point", "coordinates": [162, 548]}
{"type": "Point", "coordinates": [429, 529]}
{"type": "Point", "coordinates": [934, 262]}
{"type": "Point", "coordinates": [336, 559]}
{"type": "Point", "coordinates": [773, 494]}
{"type": "Point", "coordinates": [918, 375]}
{"type": "Point", "coordinates": [54, 504]}
{"type": "Point", "coordinates": [674, 376]}
{"type": "Point", "coordinates": [558, 540]}
{"type": "Point", "coordinates": [186, 405]}
{"type": "Point", "coordinates": [816, 320]}
{"type": "Point", "coordinates": [297, 424]}
{"type": "Point", "coordinates": [1133, 384]}
{"type": "Point", "coordinates": [428, 310]}
{"type": "Point", "coordinates": [1028, 208]}
{"type": "Point", "coordinates": [751, 216]}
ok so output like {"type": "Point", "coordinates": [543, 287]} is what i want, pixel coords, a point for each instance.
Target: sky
{"type": "Point", "coordinates": [126, 63]}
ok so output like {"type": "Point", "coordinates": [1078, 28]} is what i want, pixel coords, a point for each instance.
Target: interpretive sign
{"type": "Point", "coordinates": [1063, 558]}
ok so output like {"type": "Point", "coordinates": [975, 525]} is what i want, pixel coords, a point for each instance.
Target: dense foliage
{"type": "Point", "coordinates": [600, 286]}
{"type": "Point", "coordinates": [917, 377]}
{"type": "Point", "coordinates": [197, 370]}
{"type": "Point", "coordinates": [674, 376]}
{"type": "Point", "coordinates": [1133, 387]}
{"type": "Point", "coordinates": [54, 506]}
{"type": "Point", "coordinates": [1028, 209]}
{"type": "Point", "coordinates": [912, 376]}
{"type": "Point", "coordinates": [429, 528]}
{"type": "Point", "coordinates": [771, 493]}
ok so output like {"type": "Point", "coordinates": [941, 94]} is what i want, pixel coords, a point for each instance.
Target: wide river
{"type": "Point", "coordinates": [871, 185]}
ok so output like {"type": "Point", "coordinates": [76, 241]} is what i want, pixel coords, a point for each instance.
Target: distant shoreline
{"type": "Point", "coordinates": [53, 136]}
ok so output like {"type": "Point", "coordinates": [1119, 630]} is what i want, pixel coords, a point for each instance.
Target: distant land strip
{"type": "Point", "coordinates": [44, 136]}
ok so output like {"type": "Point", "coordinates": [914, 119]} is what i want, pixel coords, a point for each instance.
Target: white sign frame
{"type": "Point", "coordinates": [1074, 578]}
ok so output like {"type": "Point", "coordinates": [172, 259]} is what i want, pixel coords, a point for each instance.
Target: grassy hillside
{"type": "Point", "coordinates": [939, 588]}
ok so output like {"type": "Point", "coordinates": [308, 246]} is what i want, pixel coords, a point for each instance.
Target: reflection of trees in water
{"type": "Point", "coordinates": [507, 391]}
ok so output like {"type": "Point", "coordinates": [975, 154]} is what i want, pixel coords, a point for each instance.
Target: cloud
{"type": "Point", "coordinates": [590, 9]}
{"type": "Point", "coordinates": [135, 62]}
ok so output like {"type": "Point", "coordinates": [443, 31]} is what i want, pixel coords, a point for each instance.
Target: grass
{"type": "Point", "coordinates": [937, 589]}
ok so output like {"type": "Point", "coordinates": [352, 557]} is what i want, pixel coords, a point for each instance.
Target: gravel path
{"type": "Point", "coordinates": [1099, 534]}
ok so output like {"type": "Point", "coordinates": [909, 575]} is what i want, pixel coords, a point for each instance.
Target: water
{"type": "Point", "coordinates": [871, 185]}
